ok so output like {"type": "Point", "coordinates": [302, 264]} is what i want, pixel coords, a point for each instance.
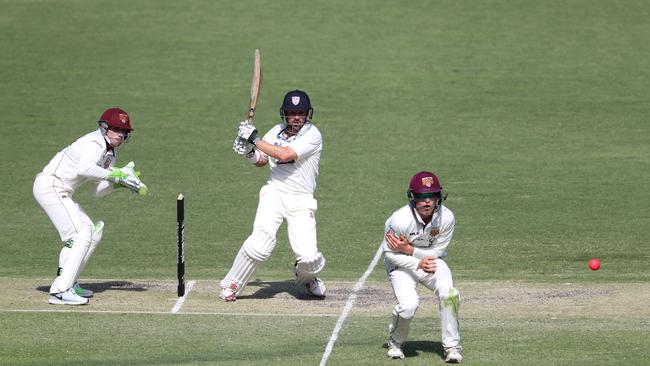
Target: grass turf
{"type": "Point", "coordinates": [533, 115]}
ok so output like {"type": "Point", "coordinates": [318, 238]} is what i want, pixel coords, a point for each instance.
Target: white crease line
{"type": "Point", "coordinates": [348, 306]}
{"type": "Point", "coordinates": [77, 310]}
{"type": "Point", "coordinates": [181, 300]}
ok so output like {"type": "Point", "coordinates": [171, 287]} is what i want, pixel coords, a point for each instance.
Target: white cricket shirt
{"type": "Point", "coordinates": [297, 176]}
{"type": "Point", "coordinates": [86, 159]}
{"type": "Point", "coordinates": [431, 239]}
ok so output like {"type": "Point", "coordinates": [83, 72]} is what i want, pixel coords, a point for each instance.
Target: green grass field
{"type": "Point", "coordinates": [534, 115]}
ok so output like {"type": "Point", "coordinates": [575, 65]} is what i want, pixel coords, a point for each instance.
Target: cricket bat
{"type": "Point", "coordinates": [255, 86]}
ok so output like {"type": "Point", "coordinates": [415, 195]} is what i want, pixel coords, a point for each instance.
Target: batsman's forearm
{"type": "Point", "coordinates": [282, 153]}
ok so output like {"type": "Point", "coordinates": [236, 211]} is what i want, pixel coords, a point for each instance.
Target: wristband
{"type": "Point", "coordinates": [253, 156]}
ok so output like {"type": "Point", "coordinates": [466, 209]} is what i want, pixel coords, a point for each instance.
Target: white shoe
{"type": "Point", "coordinates": [394, 349]}
{"type": "Point", "coordinates": [68, 297]}
{"type": "Point", "coordinates": [316, 287]}
{"type": "Point", "coordinates": [452, 355]}
{"type": "Point", "coordinates": [229, 293]}
{"type": "Point", "coordinates": [81, 291]}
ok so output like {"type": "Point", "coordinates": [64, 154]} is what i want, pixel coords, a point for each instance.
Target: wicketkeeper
{"type": "Point", "coordinates": [292, 149]}
{"type": "Point", "coordinates": [90, 158]}
{"type": "Point", "coordinates": [416, 240]}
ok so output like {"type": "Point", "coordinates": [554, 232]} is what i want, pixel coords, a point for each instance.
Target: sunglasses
{"type": "Point", "coordinates": [426, 196]}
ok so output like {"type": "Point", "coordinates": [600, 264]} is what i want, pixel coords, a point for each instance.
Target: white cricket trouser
{"type": "Point", "coordinates": [273, 208]}
{"type": "Point", "coordinates": [71, 222]}
{"type": "Point", "coordinates": [404, 283]}
{"type": "Point", "coordinates": [66, 215]}
{"type": "Point", "coordinates": [299, 211]}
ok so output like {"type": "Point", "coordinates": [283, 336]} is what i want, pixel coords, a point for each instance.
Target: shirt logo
{"type": "Point", "coordinates": [295, 100]}
{"type": "Point", "coordinates": [435, 231]}
{"type": "Point", "coordinates": [427, 181]}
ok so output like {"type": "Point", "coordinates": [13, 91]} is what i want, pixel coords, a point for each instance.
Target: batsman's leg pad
{"type": "Point", "coordinates": [72, 265]}
{"type": "Point", "coordinates": [259, 245]}
{"type": "Point", "coordinates": [240, 273]}
{"type": "Point", "coordinates": [449, 305]}
{"type": "Point", "coordinates": [308, 269]}
{"type": "Point", "coordinates": [400, 324]}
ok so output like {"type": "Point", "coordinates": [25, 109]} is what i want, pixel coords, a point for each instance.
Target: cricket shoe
{"type": "Point", "coordinates": [394, 349]}
{"type": "Point", "coordinates": [81, 291]}
{"type": "Point", "coordinates": [452, 355]}
{"type": "Point", "coordinates": [68, 297]}
{"type": "Point", "coordinates": [229, 293]}
{"type": "Point", "coordinates": [316, 287]}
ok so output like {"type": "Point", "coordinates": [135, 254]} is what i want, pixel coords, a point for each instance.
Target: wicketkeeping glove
{"type": "Point", "coordinates": [248, 132]}
{"type": "Point", "coordinates": [129, 178]}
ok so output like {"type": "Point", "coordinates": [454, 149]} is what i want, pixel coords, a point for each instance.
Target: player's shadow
{"type": "Point", "coordinates": [270, 290]}
{"type": "Point", "coordinates": [98, 287]}
{"type": "Point", "coordinates": [414, 348]}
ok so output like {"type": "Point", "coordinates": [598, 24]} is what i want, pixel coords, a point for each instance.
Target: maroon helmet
{"type": "Point", "coordinates": [116, 117]}
{"type": "Point", "coordinates": [425, 185]}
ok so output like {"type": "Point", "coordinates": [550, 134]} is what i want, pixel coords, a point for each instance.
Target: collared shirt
{"type": "Point", "coordinates": [432, 239]}
{"type": "Point", "coordinates": [88, 158]}
{"type": "Point", "coordinates": [297, 176]}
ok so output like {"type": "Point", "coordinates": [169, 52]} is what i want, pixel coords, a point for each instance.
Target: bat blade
{"type": "Point", "coordinates": [255, 86]}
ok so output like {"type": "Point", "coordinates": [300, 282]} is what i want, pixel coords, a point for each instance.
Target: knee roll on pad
{"type": "Point", "coordinates": [98, 232]}
{"type": "Point", "coordinates": [82, 238]}
{"type": "Point", "coordinates": [307, 269]}
{"type": "Point", "coordinates": [259, 245]}
{"type": "Point", "coordinates": [311, 265]}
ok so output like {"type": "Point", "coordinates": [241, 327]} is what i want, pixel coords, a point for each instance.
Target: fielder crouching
{"type": "Point", "coordinates": [292, 150]}
{"type": "Point", "coordinates": [89, 158]}
{"type": "Point", "coordinates": [416, 240]}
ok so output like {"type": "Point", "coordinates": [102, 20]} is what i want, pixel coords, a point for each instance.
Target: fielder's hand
{"type": "Point", "coordinates": [242, 147]}
{"type": "Point", "coordinates": [248, 132]}
{"type": "Point", "coordinates": [400, 244]}
{"type": "Point", "coordinates": [428, 264]}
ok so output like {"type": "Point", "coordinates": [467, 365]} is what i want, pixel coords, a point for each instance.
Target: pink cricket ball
{"type": "Point", "coordinates": [594, 264]}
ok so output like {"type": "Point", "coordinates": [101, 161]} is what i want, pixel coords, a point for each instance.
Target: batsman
{"type": "Point", "coordinates": [292, 149]}
{"type": "Point", "coordinates": [91, 158]}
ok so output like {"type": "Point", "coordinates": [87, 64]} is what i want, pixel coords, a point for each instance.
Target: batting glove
{"type": "Point", "coordinates": [242, 147]}
{"type": "Point", "coordinates": [248, 132]}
